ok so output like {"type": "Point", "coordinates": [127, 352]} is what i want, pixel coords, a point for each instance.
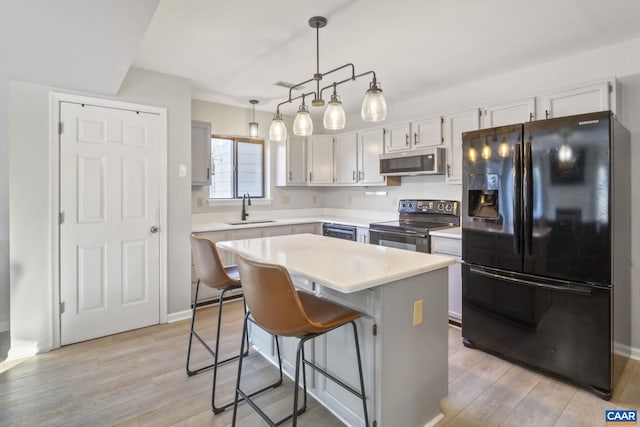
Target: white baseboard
{"type": "Point", "coordinates": [4, 326]}
{"type": "Point", "coordinates": [435, 420]}
{"type": "Point", "coordinates": [635, 353]}
{"type": "Point", "coordinates": [180, 315]}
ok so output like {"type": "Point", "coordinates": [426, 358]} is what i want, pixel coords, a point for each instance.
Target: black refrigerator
{"type": "Point", "coordinates": [546, 246]}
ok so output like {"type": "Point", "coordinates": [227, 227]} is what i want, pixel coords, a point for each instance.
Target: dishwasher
{"type": "Point", "coordinates": [340, 231]}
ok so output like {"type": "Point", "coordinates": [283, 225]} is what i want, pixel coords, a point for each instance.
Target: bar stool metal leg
{"type": "Point", "coordinates": [241, 395]}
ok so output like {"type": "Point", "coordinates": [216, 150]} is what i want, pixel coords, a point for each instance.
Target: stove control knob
{"type": "Point", "coordinates": [449, 207]}
{"type": "Point", "coordinates": [410, 205]}
{"type": "Point", "coordinates": [440, 206]}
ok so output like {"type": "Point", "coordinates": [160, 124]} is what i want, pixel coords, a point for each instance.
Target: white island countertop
{"type": "Point", "coordinates": [342, 265]}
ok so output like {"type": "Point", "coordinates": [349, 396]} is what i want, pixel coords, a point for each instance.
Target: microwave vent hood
{"type": "Point", "coordinates": [422, 161]}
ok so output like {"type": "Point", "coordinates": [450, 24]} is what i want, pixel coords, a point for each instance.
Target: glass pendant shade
{"type": "Point", "coordinates": [334, 117]}
{"type": "Point", "coordinates": [253, 129]}
{"type": "Point", "coordinates": [278, 130]}
{"type": "Point", "coordinates": [374, 106]}
{"type": "Point", "coordinates": [473, 154]}
{"type": "Point", "coordinates": [303, 125]}
{"type": "Point", "coordinates": [486, 152]}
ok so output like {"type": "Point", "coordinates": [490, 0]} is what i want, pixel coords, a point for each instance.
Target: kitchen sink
{"type": "Point", "coordinates": [250, 222]}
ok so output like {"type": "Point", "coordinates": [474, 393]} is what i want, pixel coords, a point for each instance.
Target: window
{"type": "Point", "coordinates": [237, 168]}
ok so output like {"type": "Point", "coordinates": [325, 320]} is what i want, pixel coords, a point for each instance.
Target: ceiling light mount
{"type": "Point", "coordinates": [374, 106]}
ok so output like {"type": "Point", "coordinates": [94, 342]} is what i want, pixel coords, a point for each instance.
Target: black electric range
{"type": "Point", "coordinates": [417, 217]}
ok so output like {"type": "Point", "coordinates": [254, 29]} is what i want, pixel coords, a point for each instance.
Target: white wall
{"type": "Point", "coordinates": [4, 200]}
{"type": "Point", "coordinates": [30, 199]}
{"type": "Point", "coordinates": [233, 121]}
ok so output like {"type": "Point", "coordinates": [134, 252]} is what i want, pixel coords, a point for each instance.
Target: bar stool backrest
{"type": "Point", "coordinates": [209, 268]}
{"type": "Point", "coordinates": [272, 298]}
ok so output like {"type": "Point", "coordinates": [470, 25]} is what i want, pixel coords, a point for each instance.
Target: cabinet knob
{"type": "Point", "coordinates": [546, 114]}
{"type": "Point", "coordinates": [354, 176]}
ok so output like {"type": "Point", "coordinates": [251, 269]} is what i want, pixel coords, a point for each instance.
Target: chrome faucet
{"type": "Point", "coordinates": [247, 197]}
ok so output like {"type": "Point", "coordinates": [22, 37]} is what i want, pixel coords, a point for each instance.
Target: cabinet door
{"type": "Point", "coordinates": [296, 161]}
{"type": "Point", "coordinates": [346, 158]}
{"type": "Point", "coordinates": [428, 132]}
{"type": "Point", "coordinates": [320, 159]}
{"type": "Point", "coordinates": [283, 230]}
{"type": "Point", "coordinates": [200, 153]}
{"type": "Point", "coordinates": [455, 125]}
{"type": "Point", "coordinates": [584, 99]}
{"type": "Point", "coordinates": [370, 148]}
{"type": "Point", "coordinates": [336, 352]}
{"type": "Point", "coordinates": [362, 234]}
{"type": "Point", "coordinates": [455, 291]}
{"type": "Point", "coordinates": [397, 137]}
{"type": "Point", "coordinates": [508, 113]}
{"type": "Point", "coordinates": [307, 228]}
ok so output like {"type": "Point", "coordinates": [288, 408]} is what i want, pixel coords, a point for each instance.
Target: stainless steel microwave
{"type": "Point", "coordinates": [422, 161]}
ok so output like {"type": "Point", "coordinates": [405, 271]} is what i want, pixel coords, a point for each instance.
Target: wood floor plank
{"type": "Point", "coordinates": [138, 378]}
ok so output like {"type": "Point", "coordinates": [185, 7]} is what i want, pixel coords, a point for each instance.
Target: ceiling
{"type": "Point", "coordinates": [234, 51]}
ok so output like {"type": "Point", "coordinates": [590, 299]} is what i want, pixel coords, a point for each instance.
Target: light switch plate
{"type": "Point", "coordinates": [182, 171]}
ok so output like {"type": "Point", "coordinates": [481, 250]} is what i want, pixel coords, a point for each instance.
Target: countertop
{"type": "Point", "coordinates": [452, 233]}
{"type": "Point", "coordinates": [342, 265]}
{"type": "Point", "coordinates": [226, 226]}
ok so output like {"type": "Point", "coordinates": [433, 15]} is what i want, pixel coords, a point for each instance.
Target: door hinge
{"type": "Point", "coordinates": [61, 217]}
{"type": "Point", "coordinates": [60, 128]}
{"type": "Point", "coordinates": [62, 307]}
{"type": "Point", "coordinates": [374, 329]}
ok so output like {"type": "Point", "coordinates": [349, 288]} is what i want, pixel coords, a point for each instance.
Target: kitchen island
{"type": "Point", "coordinates": [403, 331]}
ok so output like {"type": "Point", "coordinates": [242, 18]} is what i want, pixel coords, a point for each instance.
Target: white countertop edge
{"type": "Point", "coordinates": [345, 289]}
{"type": "Point", "coordinates": [452, 233]}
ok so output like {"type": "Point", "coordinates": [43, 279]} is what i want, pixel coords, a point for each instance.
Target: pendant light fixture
{"type": "Point", "coordinates": [334, 117]}
{"type": "Point", "coordinates": [374, 106]}
{"type": "Point", "coordinates": [303, 125]}
{"type": "Point", "coordinates": [253, 125]}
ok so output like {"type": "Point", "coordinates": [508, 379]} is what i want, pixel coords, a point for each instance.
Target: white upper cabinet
{"type": "Point", "coordinates": [582, 99]}
{"type": "Point", "coordinates": [455, 124]}
{"type": "Point", "coordinates": [357, 158]}
{"type": "Point", "coordinates": [320, 159]}
{"type": "Point", "coordinates": [200, 153]}
{"type": "Point", "coordinates": [346, 159]}
{"type": "Point", "coordinates": [428, 132]}
{"type": "Point", "coordinates": [397, 137]}
{"type": "Point", "coordinates": [291, 162]}
{"type": "Point", "coordinates": [369, 150]}
{"type": "Point", "coordinates": [508, 113]}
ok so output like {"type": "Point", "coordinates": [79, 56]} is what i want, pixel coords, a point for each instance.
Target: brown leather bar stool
{"type": "Point", "coordinates": [213, 274]}
{"type": "Point", "coordinates": [276, 306]}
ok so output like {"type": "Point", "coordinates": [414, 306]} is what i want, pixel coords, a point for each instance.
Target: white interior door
{"type": "Point", "coordinates": [109, 241]}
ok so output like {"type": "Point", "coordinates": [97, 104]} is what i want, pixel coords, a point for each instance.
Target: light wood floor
{"type": "Point", "coordinates": [138, 378]}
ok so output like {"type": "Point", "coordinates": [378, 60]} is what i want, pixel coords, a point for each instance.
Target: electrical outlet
{"type": "Point", "coordinates": [417, 312]}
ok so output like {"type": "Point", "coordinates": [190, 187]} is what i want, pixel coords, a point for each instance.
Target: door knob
{"type": "Point", "coordinates": [154, 229]}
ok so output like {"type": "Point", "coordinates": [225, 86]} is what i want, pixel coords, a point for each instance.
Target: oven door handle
{"type": "Point", "coordinates": [395, 233]}
{"type": "Point", "coordinates": [525, 282]}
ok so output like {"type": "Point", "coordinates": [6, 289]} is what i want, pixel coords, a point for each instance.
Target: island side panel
{"type": "Point", "coordinates": [414, 359]}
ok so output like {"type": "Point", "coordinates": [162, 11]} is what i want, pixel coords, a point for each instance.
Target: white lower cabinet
{"type": "Point", "coordinates": [336, 352]}
{"type": "Point", "coordinates": [362, 235]}
{"type": "Point", "coordinates": [451, 247]}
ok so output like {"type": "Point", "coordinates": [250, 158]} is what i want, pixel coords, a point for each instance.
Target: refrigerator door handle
{"type": "Point", "coordinates": [517, 196]}
{"type": "Point", "coordinates": [581, 291]}
{"type": "Point", "coordinates": [528, 197]}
